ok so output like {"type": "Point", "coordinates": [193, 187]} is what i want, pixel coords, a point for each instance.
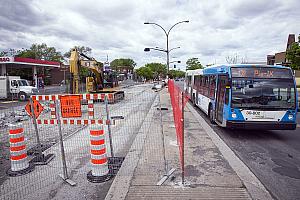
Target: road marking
{"type": "Point", "coordinates": [8, 101]}
{"type": "Point", "coordinates": [256, 189]}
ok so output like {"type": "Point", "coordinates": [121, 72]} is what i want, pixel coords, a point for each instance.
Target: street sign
{"type": "Point", "coordinates": [70, 106]}
{"type": "Point", "coordinates": [37, 107]}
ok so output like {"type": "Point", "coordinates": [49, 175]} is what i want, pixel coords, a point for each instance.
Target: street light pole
{"type": "Point", "coordinates": [167, 35]}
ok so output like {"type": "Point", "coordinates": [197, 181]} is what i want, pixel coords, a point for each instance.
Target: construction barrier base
{"type": "Point", "coordinates": [42, 160]}
{"type": "Point", "coordinates": [35, 150]}
{"type": "Point", "coordinates": [98, 179]}
{"type": "Point", "coordinates": [114, 164]}
{"type": "Point", "coordinates": [30, 168]}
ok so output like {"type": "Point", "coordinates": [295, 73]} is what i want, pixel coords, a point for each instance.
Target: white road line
{"type": "Point", "coordinates": [256, 189]}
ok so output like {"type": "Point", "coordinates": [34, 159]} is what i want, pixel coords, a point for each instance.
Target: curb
{"type": "Point", "coordinates": [120, 186]}
{"type": "Point", "coordinates": [253, 185]}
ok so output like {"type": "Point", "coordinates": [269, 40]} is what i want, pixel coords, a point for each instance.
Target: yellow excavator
{"type": "Point", "coordinates": [94, 82]}
{"type": "Point", "coordinates": [97, 81]}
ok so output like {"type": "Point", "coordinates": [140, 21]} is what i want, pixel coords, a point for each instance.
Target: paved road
{"type": "Point", "coordinates": [273, 156]}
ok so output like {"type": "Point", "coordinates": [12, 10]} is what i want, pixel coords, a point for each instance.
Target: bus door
{"type": "Point", "coordinates": [220, 100]}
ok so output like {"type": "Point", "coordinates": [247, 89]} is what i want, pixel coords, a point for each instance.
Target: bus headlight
{"type": "Point", "coordinates": [291, 117]}
{"type": "Point", "coordinates": [233, 115]}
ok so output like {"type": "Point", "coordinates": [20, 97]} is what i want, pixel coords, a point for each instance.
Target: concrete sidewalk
{"type": "Point", "coordinates": [208, 175]}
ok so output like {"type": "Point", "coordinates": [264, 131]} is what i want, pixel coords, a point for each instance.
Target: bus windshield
{"type": "Point", "coordinates": [263, 93]}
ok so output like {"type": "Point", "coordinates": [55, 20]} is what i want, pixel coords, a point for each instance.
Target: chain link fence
{"type": "Point", "coordinates": [129, 117]}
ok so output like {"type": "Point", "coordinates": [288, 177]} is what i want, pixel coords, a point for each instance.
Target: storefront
{"type": "Point", "coordinates": [33, 70]}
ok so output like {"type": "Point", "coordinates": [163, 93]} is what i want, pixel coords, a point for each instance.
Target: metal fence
{"type": "Point", "coordinates": [131, 116]}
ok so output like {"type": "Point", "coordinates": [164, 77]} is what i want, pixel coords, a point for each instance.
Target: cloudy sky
{"type": "Point", "coordinates": [250, 28]}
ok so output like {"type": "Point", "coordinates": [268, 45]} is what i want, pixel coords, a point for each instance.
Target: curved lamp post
{"type": "Point", "coordinates": [167, 35]}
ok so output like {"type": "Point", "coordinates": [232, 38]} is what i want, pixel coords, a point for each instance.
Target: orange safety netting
{"type": "Point", "coordinates": [178, 101]}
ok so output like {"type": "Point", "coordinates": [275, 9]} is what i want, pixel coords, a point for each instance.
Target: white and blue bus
{"type": "Point", "coordinates": [245, 96]}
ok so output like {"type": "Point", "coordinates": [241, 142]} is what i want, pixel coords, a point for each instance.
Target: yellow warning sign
{"type": "Point", "coordinates": [70, 106]}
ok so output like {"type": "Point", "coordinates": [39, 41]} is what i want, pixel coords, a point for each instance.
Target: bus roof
{"type": "Point", "coordinates": [194, 72]}
{"type": "Point", "coordinates": [226, 67]}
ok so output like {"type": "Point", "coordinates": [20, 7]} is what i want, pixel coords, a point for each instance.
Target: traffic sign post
{"type": "Point", "coordinates": [34, 109]}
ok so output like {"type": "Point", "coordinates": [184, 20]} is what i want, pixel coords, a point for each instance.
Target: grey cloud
{"type": "Point", "coordinates": [18, 15]}
{"type": "Point", "coordinates": [254, 8]}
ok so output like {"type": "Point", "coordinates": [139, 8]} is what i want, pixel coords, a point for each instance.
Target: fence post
{"type": "Point", "coordinates": [108, 126]}
{"type": "Point", "coordinates": [182, 127]}
{"type": "Point", "coordinates": [63, 156]}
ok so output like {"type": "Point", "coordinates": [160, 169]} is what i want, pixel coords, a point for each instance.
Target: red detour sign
{"type": "Point", "coordinates": [37, 107]}
{"type": "Point", "coordinates": [70, 106]}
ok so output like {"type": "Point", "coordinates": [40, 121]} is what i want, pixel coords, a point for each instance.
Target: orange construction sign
{"type": "Point", "coordinates": [70, 106]}
{"type": "Point", "coordinates": [37, 107]}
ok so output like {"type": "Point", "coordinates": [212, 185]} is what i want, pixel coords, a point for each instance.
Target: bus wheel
{"type": "Point", "coordinates": [211, 115]}
{"type": "Point", "coordinates": [22, 96]}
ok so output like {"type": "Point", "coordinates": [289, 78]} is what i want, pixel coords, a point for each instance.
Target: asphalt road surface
{"type": "Point", "coordinates": [273, 156]}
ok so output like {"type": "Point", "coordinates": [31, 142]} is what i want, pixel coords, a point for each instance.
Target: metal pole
{"type": "Point", "coordinates": [168, 59]}
{"type": "Point", "coordinates": [182, 126]}
{"type": "Point", "coordinates": [63, 156]}
{"type": "Point", "coordinates": [40, 153]}
{"type": "Point", "coordinates": [108, 127]}
{"type": "Point", "coordinates": [162, 135]}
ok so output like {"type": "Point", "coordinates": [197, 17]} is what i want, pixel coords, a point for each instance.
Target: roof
{"type": "Point", "coordinates": [29, 61]}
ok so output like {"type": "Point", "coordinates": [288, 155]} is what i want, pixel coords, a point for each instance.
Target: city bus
{"type": "Point", "coordinates": [245, 96]}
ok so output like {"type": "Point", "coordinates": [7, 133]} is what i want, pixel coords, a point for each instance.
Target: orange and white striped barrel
{"type": "Point", "coordinates": [18, 153]}
{"type": "Point", "coordinates": [98, 151]}
{"type": "Point", "coordinates": [99, 161]}
{"type": "Point", "coordinates": [91, 109]}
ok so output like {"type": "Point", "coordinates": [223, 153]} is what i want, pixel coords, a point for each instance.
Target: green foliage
{"type": "Point", "coordinates": [193, 63]}
{"type": "Point", "coordinates": [176, 74]}
{"type": "Point", "coordinates": [42, 52]}
{"type": "Point", "coordinates": [121, 63]}
{"type": "Point", "coordinates": [81, 49]}
{"type": "Point", "coordinates": [293, 55]}
{"type": "Point", "coordinates": [145, 72]}
{"type": "Point", "coordinates": [158, 69]}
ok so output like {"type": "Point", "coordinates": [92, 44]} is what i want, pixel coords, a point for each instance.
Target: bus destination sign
{"type": "Point", "coordinates": [260, 72]}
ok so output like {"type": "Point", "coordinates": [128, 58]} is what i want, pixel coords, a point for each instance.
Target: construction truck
{"type": "Point", "coordinates": [97, 81]}
{"type": "Point", "coordinates": [13, 87]}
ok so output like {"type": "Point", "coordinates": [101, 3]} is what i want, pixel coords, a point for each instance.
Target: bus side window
{"type": "Point", "coordinates": [206, 86]}
{"type": "Point", "coordinates": [212, 87]}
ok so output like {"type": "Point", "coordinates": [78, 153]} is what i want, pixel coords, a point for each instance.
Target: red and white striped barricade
{"type": "Point", "coordinates": [18, 153]}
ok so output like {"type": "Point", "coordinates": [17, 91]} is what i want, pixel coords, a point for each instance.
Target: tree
{"type": "Point", "coordinates": [81, 49]}
{"type": "Point", "coordinates": [145, 72]}
{"type": "Point", "coordinates": [176, 73]}
{"type": "Point", "coordinates": [236, 58]}
{"type": "Point", "coordinates": [42, 52]}
{"type": "Point", "coordinates": [158, 69]}
{"type": "Point", "coordinates": [193, 63]}
{"type": "Point", "coordinates": [293, 55]}
{"type": "Point", "coordinates": [120, 63]}
{"type": "Point", "coordinates": [232, 59]}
